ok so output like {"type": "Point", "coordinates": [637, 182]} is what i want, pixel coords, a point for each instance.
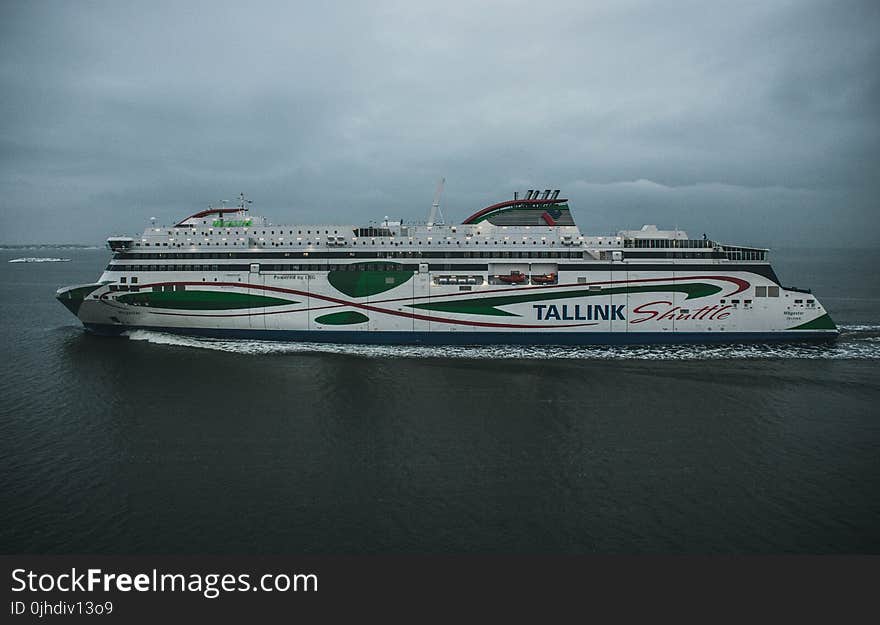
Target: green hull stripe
{"type": "Point", "coordinates": [365, 283]}
{"type": "Point", "coordinates": [201, 300]}
{"type": "Point", "coordinates": [819, 323]}
{"type": "Point", "coordinates": [487, 305]}
{"type": "Point", "coordinates": [342, 318]}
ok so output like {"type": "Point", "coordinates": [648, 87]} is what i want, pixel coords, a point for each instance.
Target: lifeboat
{"type": "Point", "coordinates": [547, 278]}
{"type": "Point", "coordinates": [515, 277]}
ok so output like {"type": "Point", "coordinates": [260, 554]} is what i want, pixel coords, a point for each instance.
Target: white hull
{"type": "Point", "coordinates": [646, 306]}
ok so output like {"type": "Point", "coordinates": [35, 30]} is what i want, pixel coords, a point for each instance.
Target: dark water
{"type": "Point", "coordinates": [164, 444]}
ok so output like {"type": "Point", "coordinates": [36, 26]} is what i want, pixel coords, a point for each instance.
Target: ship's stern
{"type": "Point", "coordinates": [806, 317]}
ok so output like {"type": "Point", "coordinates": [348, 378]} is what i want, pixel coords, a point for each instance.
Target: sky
{"type": "Point", "coordinates": [755, 122]}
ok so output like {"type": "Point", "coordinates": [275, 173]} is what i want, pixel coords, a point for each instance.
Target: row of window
{"type": "Point", "coordinates": [264, 268]}
{"type": "Point", "coordinates": [654, 243]}
{"type": "Point", "coordinates": [116, 267]}
{"type": "Point", "coordinates": [706, 254]}
{"type": "Point", "coordinates": [764, 270]}
{"type": "Point", "coordinates": [245, 231]}
{"type": "Point", "coordinates": [156, 289]}
{"type": "Point", "coordinates": [371, 232]}
{"type": "Point", "coordinates": [308, 243]}
{"type": "Point", "coordinates": [256, 257]}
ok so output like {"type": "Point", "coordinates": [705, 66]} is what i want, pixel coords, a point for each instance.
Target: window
{"type": "Point", "coordinates": [134, 280]}
{"type": "Point", "coordinates": [760, 291]}
{"type": "Point", "coordinates": [157, 289]}
{"type": "Point", "coordinates": [772, 291]}
{"type": "Point", "coordinates": [122, 279]}
{"type": "Point", "coordinates": [179, 287]}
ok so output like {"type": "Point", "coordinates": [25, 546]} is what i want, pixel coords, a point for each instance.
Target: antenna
{"type": "Point", "coordinates": [243, 202]}
{"type": "Point", "coordinates": [435, 207]}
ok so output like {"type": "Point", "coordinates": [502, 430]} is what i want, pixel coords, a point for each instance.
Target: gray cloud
{"type": "Point", "coordinates": [757, 122]}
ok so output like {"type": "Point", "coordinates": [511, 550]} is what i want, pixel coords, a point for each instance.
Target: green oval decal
{"type": "Point", "coordinates": [342, 318]}
{"type": "Point", "coordinates": [364, 283]}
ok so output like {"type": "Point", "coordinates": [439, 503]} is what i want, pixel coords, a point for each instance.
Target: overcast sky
{"type": "Point", "coordinates": [757, 122]}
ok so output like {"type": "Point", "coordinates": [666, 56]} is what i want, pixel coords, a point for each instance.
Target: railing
{"type": "Point", "coordinates": [744, 253]}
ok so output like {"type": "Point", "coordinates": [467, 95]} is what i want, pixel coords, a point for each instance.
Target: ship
{"type": "Point", "coordinates": [517, 272]}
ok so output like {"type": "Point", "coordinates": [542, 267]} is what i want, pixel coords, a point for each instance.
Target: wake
{"type": "Point", "coordinates": [857, 342]}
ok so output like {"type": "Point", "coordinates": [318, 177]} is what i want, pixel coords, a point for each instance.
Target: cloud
{"type": "Point", "coordinates": [708, 116]}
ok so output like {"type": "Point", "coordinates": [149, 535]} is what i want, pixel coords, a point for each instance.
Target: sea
{"type": "Point", "coordinates": [160, 444]}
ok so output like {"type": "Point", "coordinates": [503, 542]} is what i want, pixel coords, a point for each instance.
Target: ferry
{"type": "Point", "coordinates": [516, 272]}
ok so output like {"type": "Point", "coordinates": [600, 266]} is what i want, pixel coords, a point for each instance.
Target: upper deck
{"type": "Point", "coordinates": [532, 227]}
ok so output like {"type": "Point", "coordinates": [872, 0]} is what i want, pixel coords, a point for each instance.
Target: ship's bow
{"type": "Point", "coordinates": [73, 296]}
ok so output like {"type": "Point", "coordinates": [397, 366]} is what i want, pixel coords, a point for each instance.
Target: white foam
{"type": "Point", "coordinates": [860, 328]}
{"type": "Point", "coordinates": [867, 348]}
{"type": "Point", "coordinates": [39, 259]}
